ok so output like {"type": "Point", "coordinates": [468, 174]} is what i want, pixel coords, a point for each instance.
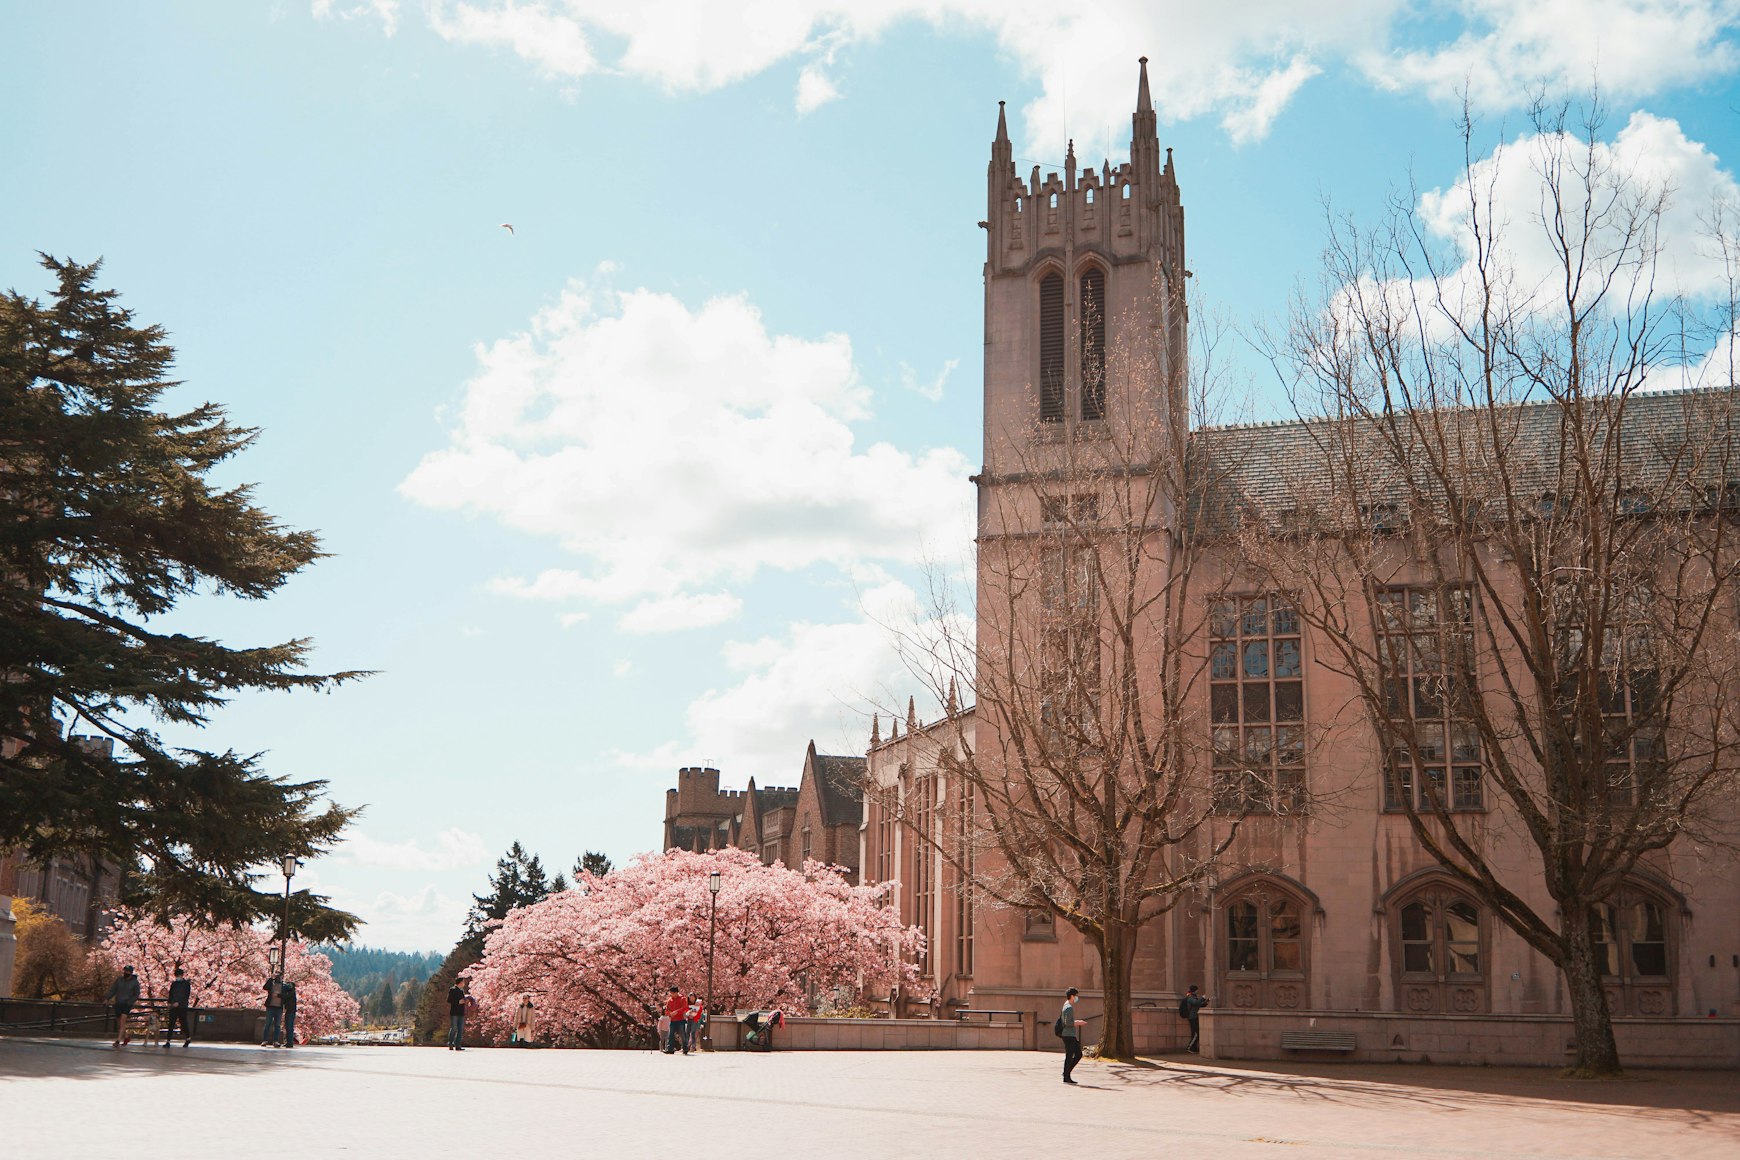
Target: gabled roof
{"type": "Point", "coordinates": [840, 788]}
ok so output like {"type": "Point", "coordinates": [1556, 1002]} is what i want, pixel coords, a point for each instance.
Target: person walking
{"type": "Point", "coordinates": [180, 995]}
{"type": "Point", "coordinates": [1071, 1034]}
{"type": "Point", "coordinates": [1190, 1006]}
{"type": "Point", "coordinates": [274, 1011]}
{"type": "Point", "coordinates": [287, 994]}
{"type": "Point", "coordinates": [677, 1011]}
{"type": "Point", "coordinates": [694, 1016]}
{"type": "Point", "coordinates": [458, 1000]}
{"type": "Point", "coordinates": [123, 993]}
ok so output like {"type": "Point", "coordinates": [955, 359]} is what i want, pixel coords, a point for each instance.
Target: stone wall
{"type": "Point", "coordinates": [1519, 1040]}
{"type": "Point", "coordinates": [884, 1035]}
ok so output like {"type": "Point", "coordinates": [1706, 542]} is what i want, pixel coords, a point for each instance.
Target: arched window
{"type": "Point", "coordinates": [1093, 344]}
{"type": "Point", "coordinates": [1051, 349]}
{"type": "Point", "coordinates": [1265, 949]}
{"type": "Point", "coordinates": [1631, 944]}
{"type": "Point", "coordinates": [1439, 951]}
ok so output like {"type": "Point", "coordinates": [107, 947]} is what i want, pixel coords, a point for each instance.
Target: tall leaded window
{"type": "Point", "coordinates": [1629, 685]}
{"type": "Point", "coordinates": [1425, 648]}
{"type": "Point", "coordinates": [969, 866]}
{"type": "Point", "coordinates": [1631, 945]}
{"type": "Point", "coordinates": [1440, 953]}
{"type": "Point", "coordinates": [884, 844]}
{"type": "Point", "coordinates": [1070, 624]}
{"type": "Point", "coordinates": [1051, 348]}
{"type": "Point", "coordinates": [1257, 704]}
{"type": "Point", "coordinates": [1093, 344]}
{"type": "Point", "coordinates": [923, 816]}
{"type": "Point", "coordinates": [1265, 949]}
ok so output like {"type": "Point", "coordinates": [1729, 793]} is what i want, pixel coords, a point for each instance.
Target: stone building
{"type": "Point", "coordinates": [1336, 920]}
{"type": "Point", "coordinates": [818, 818]}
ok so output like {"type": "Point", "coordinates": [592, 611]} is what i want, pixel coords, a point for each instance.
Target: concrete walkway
{"type": "Point", "coordinates": [75, 1099]}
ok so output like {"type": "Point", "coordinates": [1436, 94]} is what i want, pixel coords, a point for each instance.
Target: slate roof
{"type": "Point", "coordinates": [1278, 467]}
{"type": "Point", "coordinates": [840, 788]}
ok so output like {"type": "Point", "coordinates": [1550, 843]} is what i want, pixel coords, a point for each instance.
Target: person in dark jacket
{"type": "Point", "coordinates": [180, 996]}
{"type": "Point", "coordinates": [287, 992]}
{"type": "Point", "coordinates": [1190, 1006]}
{"type": "Point", "coordinates": [458, 1000]}
{"type": "Point", "coordinates": [274, 1011]}
{"type": "Point", "coordinates": [123, 993]}
{"type": "Point", "coordinates": [1071, 1027]}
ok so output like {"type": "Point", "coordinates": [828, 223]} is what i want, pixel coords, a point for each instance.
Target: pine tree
{"type": "Point", "coordinates": [381, 1008]}
{"type": "Point", "coordinates": [109, 523]}
{"type": "Point", "coordinates": [519, 881]}
{"type": "Point", "coordinates": [592, 862]}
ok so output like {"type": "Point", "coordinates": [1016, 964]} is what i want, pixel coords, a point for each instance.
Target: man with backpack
{"type": "Point", "coordinates": [1068, 1027]}
{"type": "Point", "coordinates": [1190, 1007]}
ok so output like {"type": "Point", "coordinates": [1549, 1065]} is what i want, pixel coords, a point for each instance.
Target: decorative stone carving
{"type": "Point", "coordinates": [1244, 995]}
{"type": "Point", "coordinates": [1420, 999]}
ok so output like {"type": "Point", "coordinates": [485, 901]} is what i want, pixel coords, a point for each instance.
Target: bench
{"type": "Point", "coordinates": [966, 1013]}
{"type": "Point", "coordinates": [1318, 1041]}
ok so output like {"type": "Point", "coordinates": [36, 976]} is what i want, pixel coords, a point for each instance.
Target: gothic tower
{"type": "Point", "coordinates": [1078, 265]}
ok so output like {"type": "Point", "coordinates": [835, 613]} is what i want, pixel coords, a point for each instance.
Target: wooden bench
{"type": "Point", "coordinates": [1318, 1041]}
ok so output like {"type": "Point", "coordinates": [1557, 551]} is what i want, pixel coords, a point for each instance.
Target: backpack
{"type": "Point", "coordinates": [1184, 1007]}
{"type": "Point", "coordinates": [1057, 1027]}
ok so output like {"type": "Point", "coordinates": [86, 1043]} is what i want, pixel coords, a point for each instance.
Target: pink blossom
{"type": "Point", "coordinates": [227, 967]}
{"type": "Point", "coordinates": [596, 959]}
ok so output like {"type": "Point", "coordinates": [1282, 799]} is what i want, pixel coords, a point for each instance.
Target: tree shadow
{"type": "Point", "coordinates": [1687, 1098]}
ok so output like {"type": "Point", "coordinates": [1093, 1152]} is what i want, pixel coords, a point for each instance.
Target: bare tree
{"type": "Point", "coordinates": [1083, 788]}
{"type": "Point", "coordinates": [1518, 548]}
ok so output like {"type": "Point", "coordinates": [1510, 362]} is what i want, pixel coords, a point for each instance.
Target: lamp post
{"type": "Point", "coordinates": [289, 866]}
{"type": "Point", "coordinates": [712, 939]}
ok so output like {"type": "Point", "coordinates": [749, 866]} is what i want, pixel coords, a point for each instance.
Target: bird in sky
{"type": "Point", "coordinates": [508, 226]}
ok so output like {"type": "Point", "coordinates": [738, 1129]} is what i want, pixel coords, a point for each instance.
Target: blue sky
{"type": "Point", "coordinates": [628, 488]}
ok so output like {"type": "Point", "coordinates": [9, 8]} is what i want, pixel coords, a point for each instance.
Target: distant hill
{"type": "Point", "coordinates": [386, 983]}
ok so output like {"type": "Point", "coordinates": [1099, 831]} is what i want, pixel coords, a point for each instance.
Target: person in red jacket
{"type": "Point", "coordinates": [677, 1011]}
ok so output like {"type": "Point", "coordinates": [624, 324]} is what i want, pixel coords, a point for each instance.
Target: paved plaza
{"type": "Point", "coordinates": [76, 1099]}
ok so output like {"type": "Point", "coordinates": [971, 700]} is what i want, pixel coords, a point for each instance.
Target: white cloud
{"type": "Point", "coordinates": [673, 449]}
{"type": "Point", "coordinates": [1241, 63]}
{"type": "Point", "coordinates": [1633, 48]}
{"type": "Point", "coordinates": [1650, 157]}
{"type": "Point", "coordinates": [674, 613]}
{"type": "Point", "coordinates": [386, 11]}
{"type": "Point", "coordinates": [814, 89]}
{"type": "Point", "coordinates": [815, 681]}
{"type": "Point", "coordinates": [933, 390]}
{"type": "Point", "coordinates": [424, 920]}
{"type": "Point", "coordinates": [1646, 200]}
{"type": "Point", "coordinates": [454, 849]}
{"type": "Point", "coordinates": [622, 668]}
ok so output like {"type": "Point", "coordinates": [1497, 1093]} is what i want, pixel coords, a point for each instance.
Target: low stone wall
{"type": "Point", "coordinates": [1519, 1040]}
{"type": "Point", "coordinates": [805, 1034]}
{"type": "Point", "coordinates": [51, 1017]}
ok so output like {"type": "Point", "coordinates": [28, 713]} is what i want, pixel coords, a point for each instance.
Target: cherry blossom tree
{"type": "Point", "coordinates": [227, 966]}
{"type": "Point", "coordinates": [596, 960]}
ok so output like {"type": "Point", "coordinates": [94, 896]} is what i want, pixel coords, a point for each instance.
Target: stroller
{"type": "Point", "coordinates": [761, 1025]}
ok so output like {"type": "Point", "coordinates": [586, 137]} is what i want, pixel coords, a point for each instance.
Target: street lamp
{"type": "Point", "coordinates": [289, 866]}
{"type": "Point", "coordinates": [712, 939]}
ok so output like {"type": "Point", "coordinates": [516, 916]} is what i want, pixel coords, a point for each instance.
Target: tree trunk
{"type": "Point", "coordinates": [1591, 1022]}
{"type": "Point", "coordinates": [1117, 949]}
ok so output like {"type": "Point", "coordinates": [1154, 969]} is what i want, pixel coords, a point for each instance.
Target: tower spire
{"type": "Point", "coordinates": [875, 730]}
{"type": "Point", "coordinates": [1002, 126]}
{"type": "Point", "coordinates": [1144, 104]}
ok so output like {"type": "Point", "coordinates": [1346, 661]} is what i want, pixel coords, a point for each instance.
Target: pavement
{"type": "Point", "coordinates": [75, 1099]}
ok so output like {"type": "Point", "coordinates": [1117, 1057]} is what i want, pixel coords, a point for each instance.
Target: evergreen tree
{"type": "Point", "coordinates": [592, 862]}
{"type": "Point", "coordinates": [382, 1005]}
{"type": "Point", "coordinates": [519, 881]}
{"type": "Point", "coordinates": [108, 521]}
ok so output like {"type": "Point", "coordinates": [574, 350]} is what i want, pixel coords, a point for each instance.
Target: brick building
{"type": "Point", "coordinates": [818, 818]}
{"type": "Point", "coordinates": [1338, 919]}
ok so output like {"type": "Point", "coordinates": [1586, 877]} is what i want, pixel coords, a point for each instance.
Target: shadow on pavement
{"type": "Point", "coordinates": [95, 1059]}
{"type": "Point", "coordinates": [1683, 1097]}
